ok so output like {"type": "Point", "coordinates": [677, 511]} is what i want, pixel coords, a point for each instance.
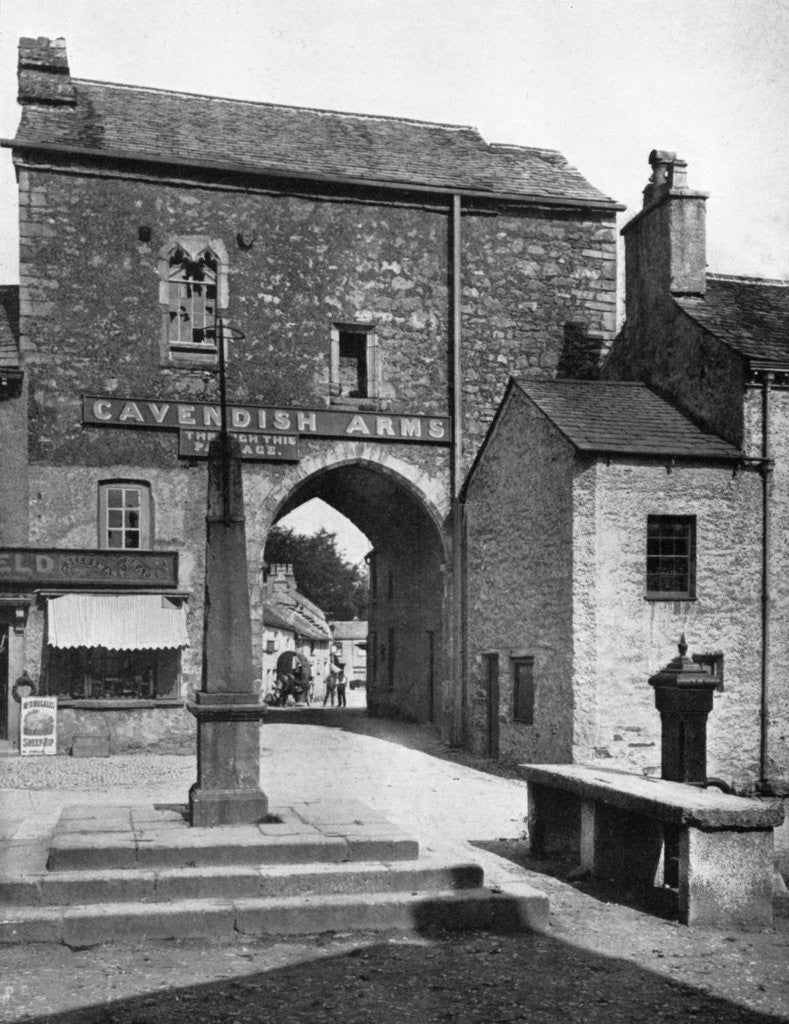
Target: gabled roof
{"type": "Point", "coordinates": [137, 123]}
{"type": "Point", "coordinates": [352, 629]}
{"type": "Point", "coordinates": [749, 314]}
{"type": "Point", "coordinates": [9, 326]}
{"type": "Point", "coordinates": [622, 418]}
{"type": "Point", "coordinates": [295, 618]}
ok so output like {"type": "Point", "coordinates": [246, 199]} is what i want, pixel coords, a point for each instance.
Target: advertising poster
{"type": "Point", "coordinates": [37, 725]}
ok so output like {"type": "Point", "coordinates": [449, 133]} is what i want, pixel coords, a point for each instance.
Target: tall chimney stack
{"type": "Point", "coordinates": [666, 242]}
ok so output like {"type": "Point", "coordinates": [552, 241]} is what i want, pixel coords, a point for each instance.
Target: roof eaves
{"type": "Point", "coordinates": [636, 451]}
{"type": "Point", "coordinates": [386, 184]}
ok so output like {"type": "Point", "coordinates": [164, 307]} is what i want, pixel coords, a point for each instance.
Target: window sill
{"type": "Point", "coordinates": [188, 346]}
{"type": "Point", "coordinates": [190, 357]}
{"type": "Point", "coordinates": [357, 404]}
{"type": "Point", "coordinates": [119, 703]}
{"type": "Point", "coordinates": [670, 597]}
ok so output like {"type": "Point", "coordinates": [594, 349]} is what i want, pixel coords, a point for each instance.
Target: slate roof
{"type": "Point", "coordinates": [350, 629]}
{"type": "Point", "coordinates": [134, 122]}
{"type": "Point", "coordinates": [749, 314]}
{"type": "Point", "coordinates": [622, 418]}
{"type": "Point", "coordinates": [9, 326]}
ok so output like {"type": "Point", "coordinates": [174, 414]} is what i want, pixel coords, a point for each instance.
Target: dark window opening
{"type": "Point", "coordinates": [523, 690]}
{"type": "Point", "coordinates": [353, 364]}
{"type": "Point", "coordinates": [98, 673]}
{"type": "Point", "coordinates": [671, 557]}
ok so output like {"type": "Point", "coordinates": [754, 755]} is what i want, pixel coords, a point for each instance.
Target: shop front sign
{"type": "Point", "coordinates": [72, 567]}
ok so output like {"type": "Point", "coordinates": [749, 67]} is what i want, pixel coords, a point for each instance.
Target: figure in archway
{"type": "Point", "coordinates": [290, 679]}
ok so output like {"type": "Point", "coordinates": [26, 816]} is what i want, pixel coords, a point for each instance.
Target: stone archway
{"type": "Point", "coordinates": [407, 628]}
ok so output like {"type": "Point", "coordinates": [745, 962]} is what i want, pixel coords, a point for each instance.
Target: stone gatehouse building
{"type": "Point", "coordinates": [373, 282]}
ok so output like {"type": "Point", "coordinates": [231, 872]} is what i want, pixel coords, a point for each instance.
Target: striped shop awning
{"type": "Point", "coordinates": [120, 622]}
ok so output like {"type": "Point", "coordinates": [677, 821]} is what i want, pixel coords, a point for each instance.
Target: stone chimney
{"type": "Point", "coordinates": [43, 73]}
{"type": "Point", "coordinates": [279, 579]}
{"type": "Point", "coordinates": [665, 243]}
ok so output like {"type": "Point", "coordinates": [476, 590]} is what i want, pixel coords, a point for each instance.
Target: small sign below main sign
{"type": "Point", "coordinates": [193, 444]}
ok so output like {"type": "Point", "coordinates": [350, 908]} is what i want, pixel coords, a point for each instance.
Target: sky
{"type": "Point", "coordinates": [602, 81]}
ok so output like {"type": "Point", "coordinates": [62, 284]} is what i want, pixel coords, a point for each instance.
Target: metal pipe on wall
{"type": "Point", "coordinates": [767, 472]}
{"type": "Point", "coordinates": [456, 471]}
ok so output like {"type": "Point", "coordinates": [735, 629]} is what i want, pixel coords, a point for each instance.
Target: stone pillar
{"type": "Point", "coordinates": [228, 713]}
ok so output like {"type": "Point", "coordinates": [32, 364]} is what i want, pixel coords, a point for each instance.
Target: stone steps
{"type": "Point", "coordinates": [110, 873]}
{"type": "Point", "coordinates": [237, 881]}
{"type": "Point", "coordinates": [518, 908]}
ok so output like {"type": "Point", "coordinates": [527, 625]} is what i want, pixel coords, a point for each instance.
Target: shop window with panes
{"type": "Point", "coordinates": [671, 558]}
{"type": "Point", "coordinates": [125, 516]}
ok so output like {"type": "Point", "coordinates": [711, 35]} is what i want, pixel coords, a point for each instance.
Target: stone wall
{"type": "Point", "coordinates": [91, 319]}
{"type": "Point", "coordinates": [139, 730]}
{"type": "Point", "coordinates": [526, 277]}
{"type": "Point", "coordinates": [777, 757]}
{"type": "Point", "coordinates": [634, 637]}
{"type": "Point", "coordinates": [519, 583]}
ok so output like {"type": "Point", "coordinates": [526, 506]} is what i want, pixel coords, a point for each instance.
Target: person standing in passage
{"type": "Point", "coordinates": [331, 687]}
{"type": "Point", "coordinates": [342, 682]}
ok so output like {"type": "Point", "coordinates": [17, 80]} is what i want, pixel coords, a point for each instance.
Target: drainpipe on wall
{"type": "Point", "coordinates": [458, 646]}
{"type": "Point", "coordinates": [766, 473]}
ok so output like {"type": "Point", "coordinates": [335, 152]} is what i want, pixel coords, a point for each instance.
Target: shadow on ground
{"type": "Point", "coordinates": [436, 977]}
{"type": "Point", "coordinates": [659, 902]}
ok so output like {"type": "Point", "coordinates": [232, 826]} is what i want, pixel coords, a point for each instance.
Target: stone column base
{"type": "Point", "coordinates": [210, 807]}
{"type": "Point", "coordinates": [227, 791]}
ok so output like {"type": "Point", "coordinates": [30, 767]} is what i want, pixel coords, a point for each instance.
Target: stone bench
{"type": "Point", "coordinates": [626, 826]}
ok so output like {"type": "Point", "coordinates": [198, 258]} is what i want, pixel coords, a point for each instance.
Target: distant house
{"type": "Point", "coordinates": [291, 622]}
{"type": "Point", "coordinates": [350, 645]}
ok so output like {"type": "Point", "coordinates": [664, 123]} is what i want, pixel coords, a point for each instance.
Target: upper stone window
{"type": "Point", "coordinates": [354, 362]}
{"type": "Point", "coordinates": [125, 515]}
{"type": "Point", "coordinates": [193, 294]}
{"type": "Point", "coordinates": [671, 558]}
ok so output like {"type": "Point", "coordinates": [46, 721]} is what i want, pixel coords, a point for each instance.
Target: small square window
{"type": "Point", "coordinates": [523, 690]}
{"type": "Point", "coordinates": [671, 558]}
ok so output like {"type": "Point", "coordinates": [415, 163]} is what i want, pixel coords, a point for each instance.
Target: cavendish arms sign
{"type": "Point", "coordinates": [252, 419]}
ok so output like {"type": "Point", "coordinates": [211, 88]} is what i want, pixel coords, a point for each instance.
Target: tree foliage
{"type": "Point", "coordinates": [337, 587]}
